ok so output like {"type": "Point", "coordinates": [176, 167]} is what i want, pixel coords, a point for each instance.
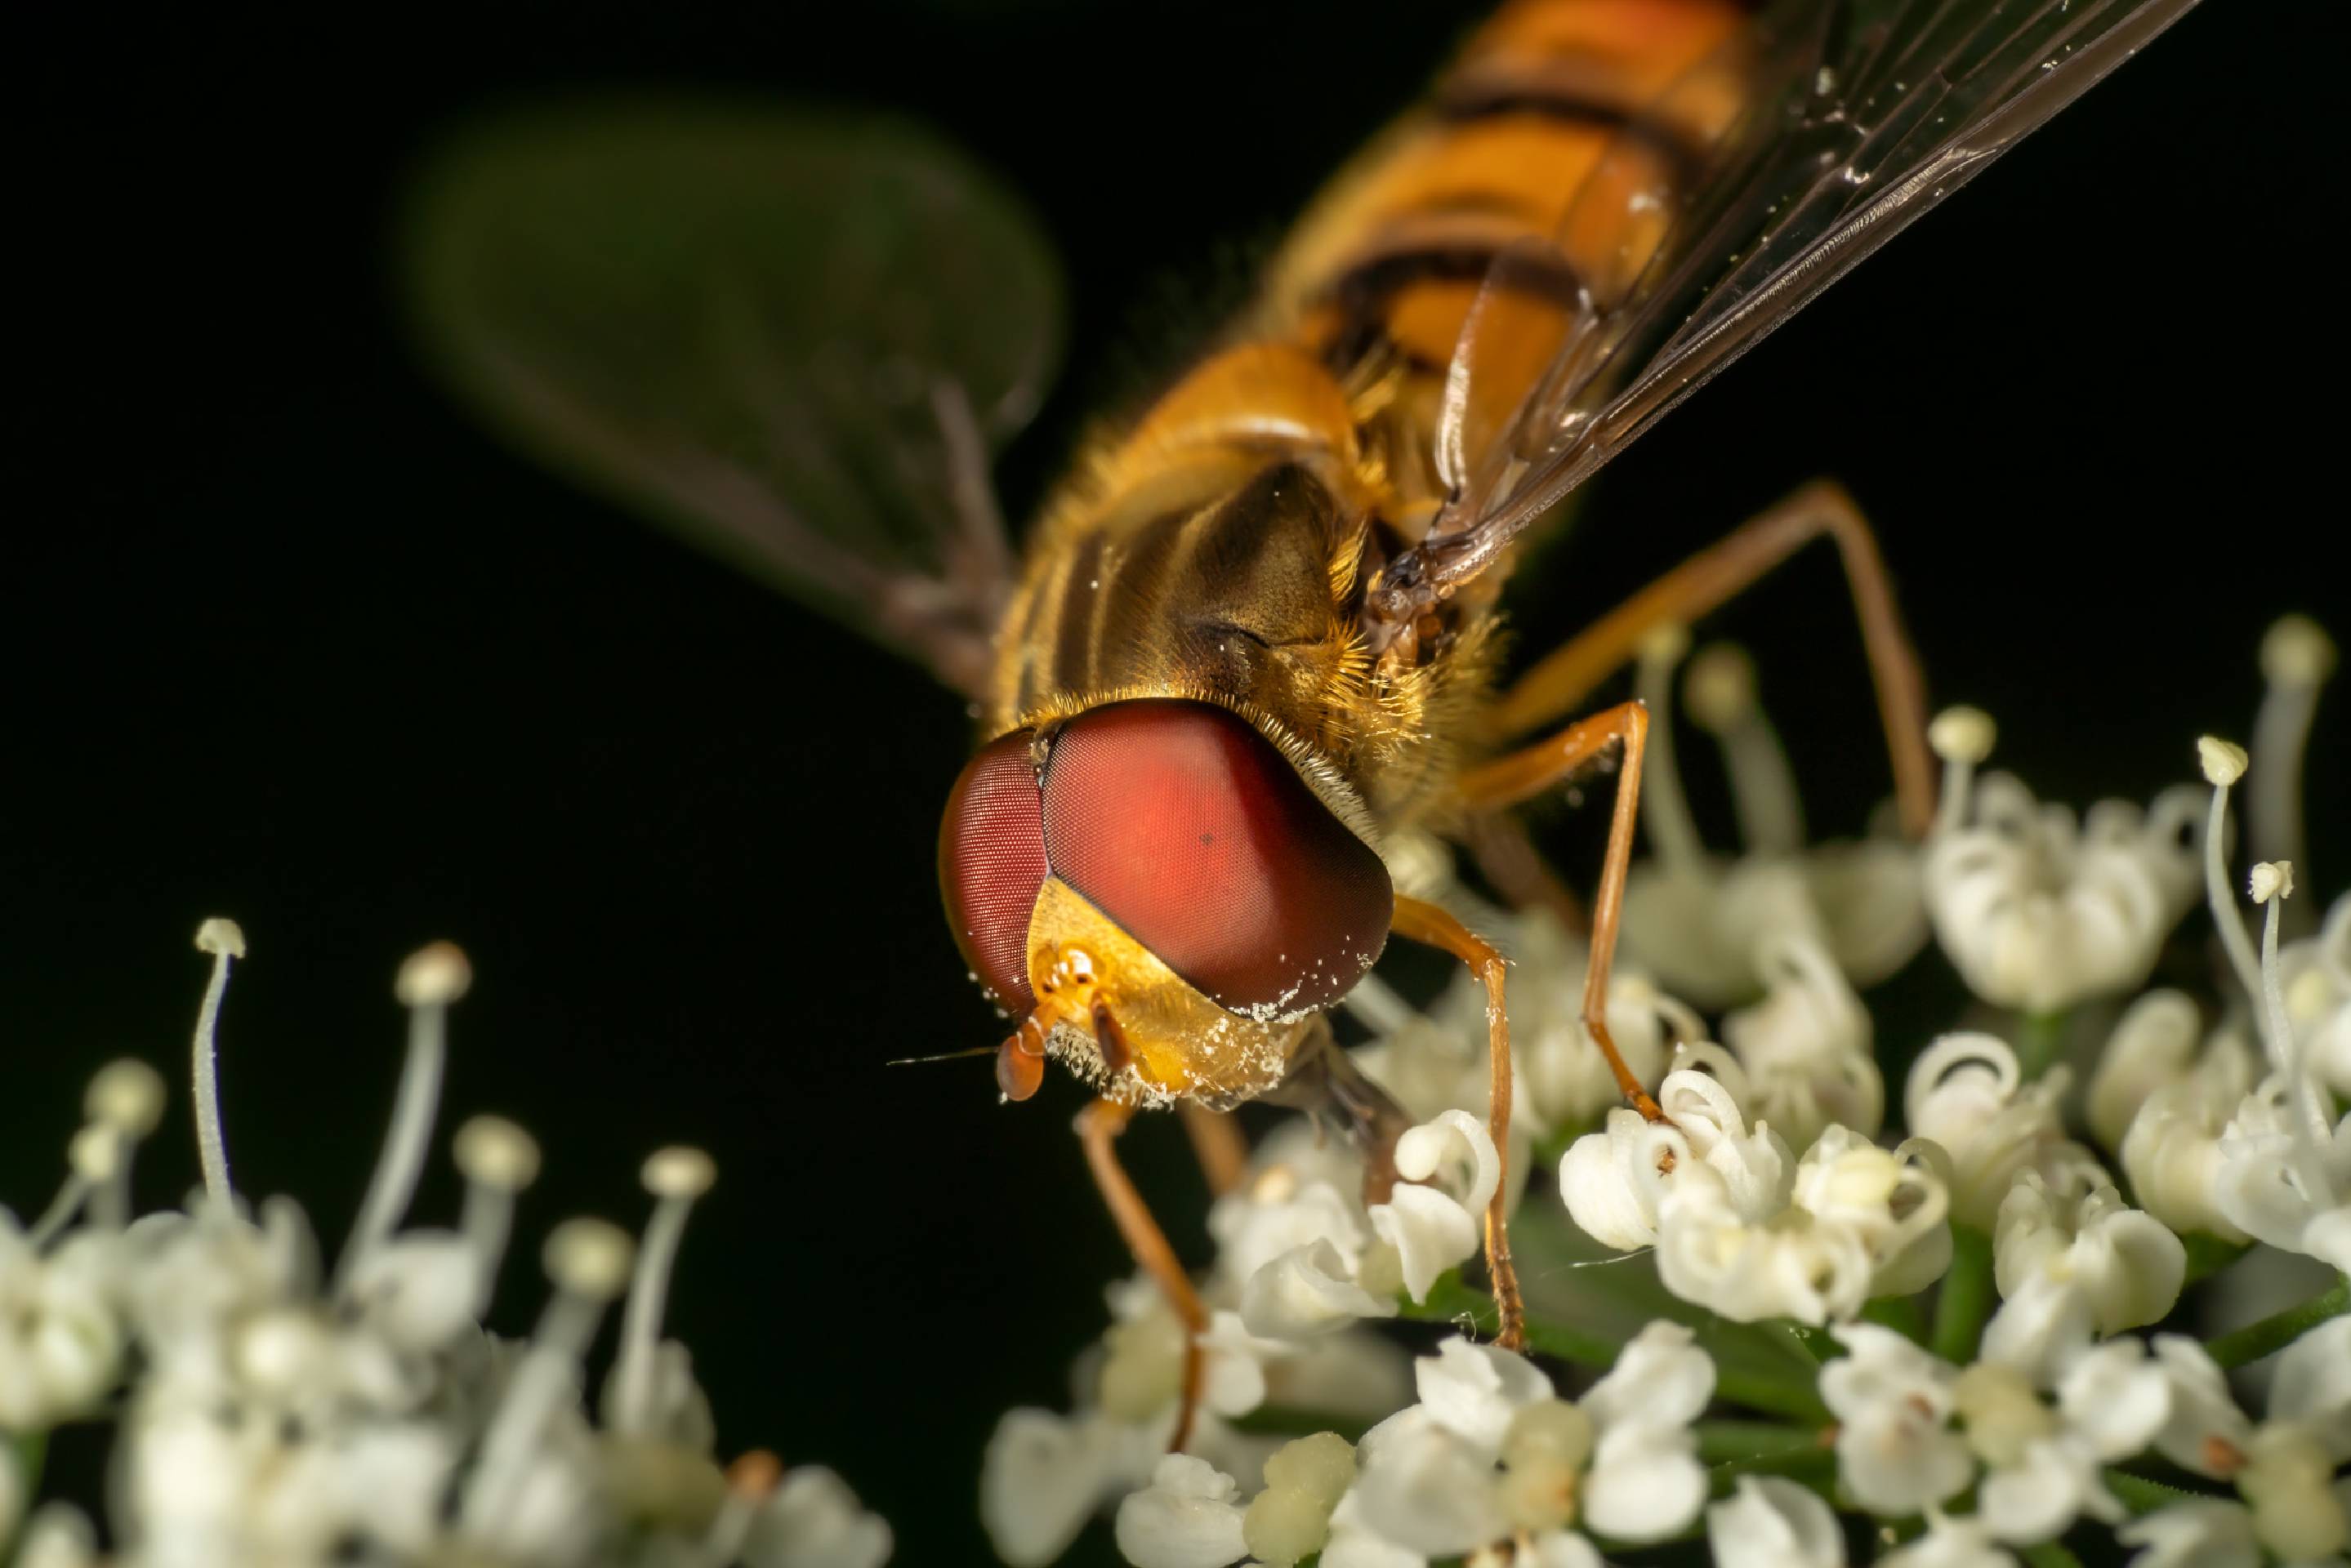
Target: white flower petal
{"type": "Point", "coordinates": [1473, 1390]}
{"type": "Point", "coordinates": [1773, 1523]}
{"type": "Point", "coordinates": [1043, 1477]}
{"type": "Point", "coordinates": [2036, 1500]}
{"type": "Point", "coordinates": [1430, 1232]}
{"type": "Point", "coordinates": [2128, 1266]}
{"type": "Point", "coordinates": [1614, 1179]}
{"type": "Point", "coordinates": [1563, 1549]}
{"type": "Point", "coordinates": [1645, 1482]}
{"type": "Point", "coordinates": [1895, 1450]}
{"type": "Point", "coordinates": [1306, 1292]}
{"type": "Point", "coordinates": [1950, 1543]}
{"type": "Point", "coordinates": [1186, 1518]}
{"type": "Point", "coordinates": [1660, 1377]}
{"type": "Point", "coordinates": [2115, 1397]}
{"type": "Point", "coordinates": [1424, 1488]}
{"type": "Point", "coordinates": [2039, 1330]}
{"type": "Point", "coordinates": [1355, 1544]}
{"type": "Point", "coordinates": [2312, 1384]}
{"type": "Point", "coordinates": [2205, 1431]}
{"type": "Point", "coordinates": [2208, 1532]}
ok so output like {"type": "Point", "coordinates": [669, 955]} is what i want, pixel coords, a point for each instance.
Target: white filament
{"type": "Point", "coordinates": [678, 1176]}
{"type": "Point", "coordinates": [1664, 811]}
{"type": "Point", "coordinates": [212, 1146]}
{"type": "Point", "coordinates": [1720, 691]}
{"type": "Point", "coordinates": [60, 1211]}
{"type": "Point", "coordinates": [394, 1178]}
{"type": "Point", "coordinates": [2230, 924]}
{"type": "Point", "coordinates": [588, 1260]}
{"type": "Point", "coordinates": [1962, 737]}
{"type": "Point", "coordinates": [2296, 659]}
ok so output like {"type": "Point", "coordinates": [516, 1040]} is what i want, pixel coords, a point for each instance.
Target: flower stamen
{"type": "Point", "coordinates": [498, 1159]}
{"type": "Point", "coordinates": [223, 940]}
{"type": "Point", "coordinates": [432, 976]}
{"type": "Point", "coordinates": [677, 1176]}
{"type": "Point", "coordinates": [2224, 763]}
{"type": "Point", "coordinates": [1720, 690]}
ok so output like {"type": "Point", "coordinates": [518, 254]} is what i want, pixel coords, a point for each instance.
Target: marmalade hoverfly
{"type": "Point", "coordinates": [1254, 631]}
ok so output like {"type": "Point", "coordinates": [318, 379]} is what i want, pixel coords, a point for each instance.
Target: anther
{"type": "Point", "coordinates": [1963, 738]}
{"type": "Point", "coordinates": [497, 1160]}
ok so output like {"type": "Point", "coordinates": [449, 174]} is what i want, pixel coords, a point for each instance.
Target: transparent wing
{"type": "Point", "coordinates": [1862, 115]}
{"type": "Point", "coordinates": [796, 339]}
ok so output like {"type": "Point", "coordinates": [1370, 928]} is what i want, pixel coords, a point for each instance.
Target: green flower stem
{"type": "Point", "coordinates": [2051, 1555]}
{"type": "Point", "coordinates": [2207, 1254]}
{"type": "Point", "coordinates": [31, 1449]}
{"type": "Point", "coordinates": [1812, 1465]}
{"type": "Point", "coordinates": [1900, 1314]}
{"type": "Point", "coordinates": [1966, 1298]}
{"type": "Point", "coordinates": [2040, 1038]}
{"type": "Point", "coordinates": [1295, 1421]}
{"type": "Point", "coordinates": [1724, 1442]}
{"type": "Point", "coordinates": [1816, 1344]}
{"type": "Point", "coordinates": [2279, 1330]}
{"type": "Point", "coordinates": [1450, 1300]}
{"type": "Point", "coordinates": [2141, 1495]}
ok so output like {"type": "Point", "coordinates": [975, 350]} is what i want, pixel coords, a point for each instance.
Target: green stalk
{"type": "Point", "coordinates": [1450, 1300]}
{"type": "Point", "coordinates": [2051, 1555]}
{"type": "Point", "coordinates": [1966, 1298]}
{"type": "Point", "coordinates": [1722, 1442]}
{"type": "Point", "coordinates": [2141, 1495]}
{"type": "Point", "coordinates": [31, 1449]}
{"type": "Point", "coordinates": [1900, 1314]}
{"type": "Point", "coordinates": [2040, 1038]}
{"type": "Point", "coordinates": [2279, 1330]}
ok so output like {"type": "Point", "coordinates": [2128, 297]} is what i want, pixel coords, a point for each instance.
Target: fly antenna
{"type": "Point", "coordinates": [941, 1056]}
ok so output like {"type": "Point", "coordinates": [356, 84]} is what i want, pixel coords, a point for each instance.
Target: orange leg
{"type": "Point", "coordinates": [1218, 1145]}
{"type": "Point", "coordinates": [1524, 774]}
{"type": "Point", "coordinates": [1424, 922]}
{"type": "Point", "coordinates": [1559, 681]}
{"type": "Point", "coordinates": [1099, 1126]}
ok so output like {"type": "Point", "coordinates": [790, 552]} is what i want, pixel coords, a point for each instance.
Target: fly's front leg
{"type": "Point", "coordinates": [1099, 1126]}
{"type": "Point", "coordinates": [1218, 1145]}
{"type": "Point", "coordinates": [1557, 683]}
{"type": "Point", "coordinates": [1323, 1081]}
{"type": "Point", "coordinates": [1522, 775]}
{"type": "Point", "coordinates": [1418, 921]}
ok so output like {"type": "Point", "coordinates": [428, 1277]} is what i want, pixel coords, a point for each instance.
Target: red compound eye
{"type": "Point", "coordinates": [991, 863]}
{"type": "Point", "coordinates": [1183, 823]}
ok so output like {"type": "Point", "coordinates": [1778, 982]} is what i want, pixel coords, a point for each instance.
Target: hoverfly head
{"type": "Point", "coordinates": [1157, 893]}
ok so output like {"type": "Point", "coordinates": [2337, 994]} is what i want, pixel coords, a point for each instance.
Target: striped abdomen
{"type": "Point", "coordinates": [1217, 548]}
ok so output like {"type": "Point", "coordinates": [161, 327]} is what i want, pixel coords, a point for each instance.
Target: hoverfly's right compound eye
{"type": "Point", "coordinates": [991, 865]}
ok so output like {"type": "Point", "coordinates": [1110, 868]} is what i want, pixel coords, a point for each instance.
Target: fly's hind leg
{"type": "Point", "coordinates": [1557, 683]}
{"type": "Point", "coordinates": [1522, 775]}
{"type": "Point", "coordinates": [1323, 1081]}
{"type": "Point", "coordinates": [1099, 1126]}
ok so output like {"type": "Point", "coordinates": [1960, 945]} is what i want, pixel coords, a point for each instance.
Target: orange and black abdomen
{"type": "Point", "coordinates": [1214, 549]}
{"type": "Point", "coordinates": [1552, 133]}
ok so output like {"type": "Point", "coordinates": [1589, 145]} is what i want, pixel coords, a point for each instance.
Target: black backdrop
{"type": "Point", "coordinates": [287, 639]}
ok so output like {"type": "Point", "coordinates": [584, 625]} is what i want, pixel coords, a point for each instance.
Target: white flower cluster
{"type": "Point", "coordinates": [1771, 1203]}
{"type": "Point", "coordinates": [272, 1411]}
{"type": "Point", "coordinates": [1487, 1457]}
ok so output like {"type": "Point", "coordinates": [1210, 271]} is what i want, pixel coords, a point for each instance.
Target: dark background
{"type": "Point", "coordinates": [286, 638]}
